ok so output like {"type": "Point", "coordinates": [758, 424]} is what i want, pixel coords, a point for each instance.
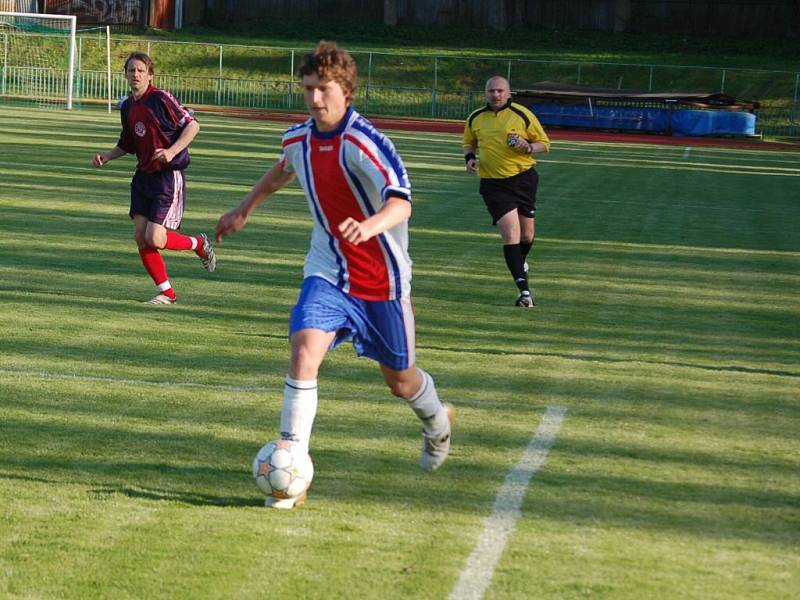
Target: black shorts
{"type": "Point", "coordinates": [504, 195]}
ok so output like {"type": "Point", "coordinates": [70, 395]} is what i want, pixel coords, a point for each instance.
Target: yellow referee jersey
{"type": "Point", "coordinates": [489, 130]}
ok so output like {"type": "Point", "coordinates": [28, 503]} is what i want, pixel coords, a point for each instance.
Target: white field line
{"type": "Point", "coordinates": [477, 573]}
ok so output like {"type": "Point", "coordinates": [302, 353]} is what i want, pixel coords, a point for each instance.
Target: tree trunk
{"type": "Point", "coordinates": [622, 15]}
{"type": "Point", "coordinates": [390, 12]}
{"type": "Point", "coordinates": [497, 14]}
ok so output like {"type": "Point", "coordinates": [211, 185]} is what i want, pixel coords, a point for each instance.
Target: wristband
{"type": "Point", "coordinates": [469, 156]}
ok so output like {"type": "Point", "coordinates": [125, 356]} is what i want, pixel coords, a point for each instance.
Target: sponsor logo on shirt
{"type": "Point", "coordinates": [140, 129]}
{"type": "Point", "coordinates": [325, 148]}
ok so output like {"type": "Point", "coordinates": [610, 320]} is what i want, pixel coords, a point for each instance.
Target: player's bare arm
{"type": "Point", "coordinates": [165, 155]}
{"type": "Point", "coordinates": [394, 211]}
{"type": "Point", "coordinates": [470, 160]}
{"type": "Point", "coordinates": [234, 220]}
{"type": "Point", "coordinates": [103, 157]}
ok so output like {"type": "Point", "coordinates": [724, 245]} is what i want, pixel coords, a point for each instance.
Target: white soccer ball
{"type": "Point", "coordinates": [282, 469]}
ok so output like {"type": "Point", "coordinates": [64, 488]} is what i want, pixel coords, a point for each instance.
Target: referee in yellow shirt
{"type": "Point", "coordinates": [507, 135]}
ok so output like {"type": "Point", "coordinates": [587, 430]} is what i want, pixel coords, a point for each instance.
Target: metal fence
{"type": "Point", "coordinates": [410, 85]}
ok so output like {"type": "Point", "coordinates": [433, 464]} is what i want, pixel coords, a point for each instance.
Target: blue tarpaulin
{"type": "Point", "coordinates": [660, 120]}
{"type": "Point", "coordinates": [675, 113]}
{"type": "Point", "coordinates": [712, 122]}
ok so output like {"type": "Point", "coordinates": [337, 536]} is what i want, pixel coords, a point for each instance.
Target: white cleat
{"type": "Point", "coordinates": [160, 299]}
{"type": "Point", "coordinates": [525, 300]}
{"type": "Point", "coordinates": [435, 448]}
{"type": "Point", "coordinates": [285, 503]}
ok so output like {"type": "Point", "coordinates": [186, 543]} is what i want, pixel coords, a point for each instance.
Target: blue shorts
{"type": "Point", "coordinates": [159, 196]}
{"type": "Point", "coordinates": [380, 330]}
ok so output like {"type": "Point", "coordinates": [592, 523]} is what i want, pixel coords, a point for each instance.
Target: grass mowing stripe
{"type": "Point", "coordinates": [663, 165]}
{"type": "Point", "coordinates": [138, 382]}
{"type": "Point", "coordinates": [478, 571]}
{"type": "Point", "coordinates": [146, 382]}
{"type": "Point", "coordinates": [256, 389]}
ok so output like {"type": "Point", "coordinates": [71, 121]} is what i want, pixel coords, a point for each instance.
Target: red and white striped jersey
{"type": "Point", "coordinates": [351, 172]}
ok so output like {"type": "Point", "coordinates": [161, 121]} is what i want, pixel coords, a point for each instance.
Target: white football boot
{"type": "Point", "coordinates": [436, 447]}
{"type": "Point", "coordinates": [160, 299]}
{"type": "Point", "coordinates": [286, 503]}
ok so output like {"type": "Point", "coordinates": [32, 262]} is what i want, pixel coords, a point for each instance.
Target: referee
{"type": "Point", "coordinates": [508, 136]}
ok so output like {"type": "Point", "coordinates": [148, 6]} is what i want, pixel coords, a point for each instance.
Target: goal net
{"type": "Point", "coordinates": [38, 58]}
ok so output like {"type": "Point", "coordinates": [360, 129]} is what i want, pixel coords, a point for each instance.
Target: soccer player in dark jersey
{"type": "Point", "coordinates": [357, 283]}
{"type": "Point", "coordinates": [158, 129]}
{"type": "Point", "coordinates": [507, 135]}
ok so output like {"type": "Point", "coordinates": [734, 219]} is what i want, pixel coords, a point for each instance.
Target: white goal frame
{"type": "Point", "coordinates": [73, 20]}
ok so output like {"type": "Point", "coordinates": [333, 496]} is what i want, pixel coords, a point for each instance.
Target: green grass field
{"type": "Point", "coordinates": [668, 280]}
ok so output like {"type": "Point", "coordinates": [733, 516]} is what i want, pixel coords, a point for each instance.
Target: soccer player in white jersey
{"type": "Point", "coordinates": [357, 275]}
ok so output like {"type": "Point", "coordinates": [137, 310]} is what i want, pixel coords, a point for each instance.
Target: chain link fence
{"type": "Point", "coordinates": [410, 85]}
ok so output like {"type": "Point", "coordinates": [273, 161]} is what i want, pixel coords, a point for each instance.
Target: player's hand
{"type": "Point", "coordinates": [353, 231]}
{"type": "Point", "coordinates": [472, 166]}
{"type": "Point", "coordinates": [163, 155]}
{"type": "Point", "coordinates": [100, 159]}
{"type": "Point", "coordinates": [231, 222]}
{"type": "Point", "coordinates": [521, 145]}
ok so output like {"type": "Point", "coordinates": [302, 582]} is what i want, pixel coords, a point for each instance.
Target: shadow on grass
{"type": "Point", "coordinates": [182, 464]}
{"type": "Point", "coordinates": [193, 499]}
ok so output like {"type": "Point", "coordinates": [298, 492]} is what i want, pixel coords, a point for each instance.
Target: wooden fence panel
{"type": "Point", "coordinates": [684, 17]}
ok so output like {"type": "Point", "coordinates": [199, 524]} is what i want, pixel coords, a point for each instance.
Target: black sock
{"type": "Point", "coordinates": [525, 248]}
{"type": "Point", "coordinates": [514, 261]}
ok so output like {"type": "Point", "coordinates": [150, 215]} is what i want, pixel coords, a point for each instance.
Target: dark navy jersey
{"type": "Point", "coordinates": [153, 121]}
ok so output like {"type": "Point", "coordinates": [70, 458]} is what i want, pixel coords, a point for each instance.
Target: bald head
{"type": "Point", "coordinates": [498, 92]}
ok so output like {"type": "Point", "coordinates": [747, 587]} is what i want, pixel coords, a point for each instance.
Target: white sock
{"type": "Point", "coordinates": [298, 410]}
{"type": "Point", "coordinates": [427, 406]}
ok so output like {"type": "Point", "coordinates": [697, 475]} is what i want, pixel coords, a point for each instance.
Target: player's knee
{"type": "Point", "coordinates": [155, 241]}
{"type": "Point", "coordinates": [304, 364]}
{"type": "Point", "coordinates": [510, 240]}
{"type": "Point", "coordinates": [402, 388]}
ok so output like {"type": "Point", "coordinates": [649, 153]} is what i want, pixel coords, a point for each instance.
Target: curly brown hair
{"type": "Point", "coordinates": [330, 62]}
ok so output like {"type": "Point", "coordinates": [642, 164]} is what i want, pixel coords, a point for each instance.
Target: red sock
{"type": "Point", "coordinates": [177, 241]}
{"type": "Point", "coordinates": [154, 265]}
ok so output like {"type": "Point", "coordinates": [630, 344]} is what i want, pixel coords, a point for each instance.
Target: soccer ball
{"type": "Point", "coordinates": [282, 469]}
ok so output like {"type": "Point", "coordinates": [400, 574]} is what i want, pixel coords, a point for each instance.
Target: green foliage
{"type": "Point", "coordinates": [720, 51]}
{"type": "Point", "coordinates": [667, 326]}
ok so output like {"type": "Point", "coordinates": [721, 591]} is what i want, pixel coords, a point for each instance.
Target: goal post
{"type": "Point", "coordinates": [108, 66]}
{"type": "Point", "coordinates": [38, 57]}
